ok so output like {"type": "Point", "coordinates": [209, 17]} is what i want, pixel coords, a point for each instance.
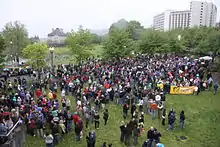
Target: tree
{"type": "Point", "coordinates": [118, 44]}
{"type": "Point", "coordinates": [134, 28]}
{"type": "Point", "coordinates": [152, 41]}
{"type": "Point", "coordinates": [210, 44]}
{"type": "Point", "coordinates": [16, 38]}
{"type": "Point", "coordinates": [34, 39]}
{"type": "Point", "coordinates": [2, 48]}
{"type": "Point", "coordinates": [96, 39]}
{"type": "Point", "coordinates": [36, 55]}
{"type": "Point", "coordinates": [80, 43]}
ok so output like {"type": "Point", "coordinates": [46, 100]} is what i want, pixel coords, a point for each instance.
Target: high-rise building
{"type": "Point", "coordinates": [202, 14]}
{"type": "Point", "coordinates": [161, 21]}
{"type": "Point", "coordinates": [169, 20]}
{"type": "Point", "coordinates": [179, 19]}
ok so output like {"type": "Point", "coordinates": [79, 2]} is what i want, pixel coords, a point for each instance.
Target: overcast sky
{"type": "Point", "coordinates": [40, 16]}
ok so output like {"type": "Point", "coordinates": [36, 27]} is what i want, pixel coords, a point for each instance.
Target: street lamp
{"type": "Point", "coordinates": [51, 49]}
{"type": "Point", "coordinates": [179, 37]}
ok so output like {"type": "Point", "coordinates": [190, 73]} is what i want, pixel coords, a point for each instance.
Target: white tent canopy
{"type": "Point", "coordinates": [205, 58]}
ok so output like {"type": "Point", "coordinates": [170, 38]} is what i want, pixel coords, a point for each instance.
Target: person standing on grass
{"type": "Point", "coordinates": [96, 117]}
{"type": "Point", "coordinates": [215, 88]}
{"type": "Point", "coordinates": [133, 109]}
{"type": "Point", "coordinates": [171, 120]}
{"type": "Point", "coordinates": [182, 119]}
{"type": "Point", "coordinates": [49, 140]}
{"type": "Point", "coordinates": [125, 110]}
{"type": "Point", "coordinates": [136, 132]}
{"type": "Point", "coordinates": [163, 117]}
{"type": "Point", "coordinates": [77, 131]}
{"type": "Point", "coordinates": [91, 139]}
{"type": "Point", "coordinates": [105, 116]}
{"type": "Point", "coordinates": [122, 129]}
{"type": "Point", "coordinates": [153, 110]}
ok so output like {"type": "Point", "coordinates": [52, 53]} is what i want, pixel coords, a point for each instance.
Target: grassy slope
{"type": "Point", "coordinates": [202, 124]}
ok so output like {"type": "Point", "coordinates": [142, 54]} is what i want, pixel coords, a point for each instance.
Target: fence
{"type": "Point", "coordinates": [15, 137]}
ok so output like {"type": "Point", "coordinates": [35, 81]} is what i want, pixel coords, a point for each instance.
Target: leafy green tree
{"type": "Point", "coordinates": [36, 55]}
{"type": "Point", "coordinates": [118, 44]}
{"type": "Point", "coordinates": [96, 39]}
{"type": "Point", "coordinates": [80, 43]}
{"type": "Point", "coordinates": [34, 39]}
{"type": "Point", "coordinates": [16, 38]}
{"type": "Point", "coordinates": [134, 28]}
{"type": "Point", "coordinates": [2, 48]}
{"type": "Point", "coordinates": [210, 44]}
{"type": "Point", "coordinates": [152, 41]}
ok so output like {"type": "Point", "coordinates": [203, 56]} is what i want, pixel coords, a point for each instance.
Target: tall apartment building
{"type": "Point", "coordinates": [169, 20]}
{"type": "Point", "coordinates": [179, 19]}
{"type": "Point", "coordinates": [161, 21]}
{"type": "Point", "coordinates": [202, 14]}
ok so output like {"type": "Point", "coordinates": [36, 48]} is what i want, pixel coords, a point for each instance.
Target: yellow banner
{"type": "Point", "coordinates": [182, 90]}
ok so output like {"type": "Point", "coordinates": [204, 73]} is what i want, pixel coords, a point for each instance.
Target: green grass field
{"type": "Point", "coordinates": [63, 55]}
{"type": "Point", "coordinates": [202, 125]}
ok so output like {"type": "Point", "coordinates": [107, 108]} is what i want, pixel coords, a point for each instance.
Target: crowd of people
{"type": "Point", "coordinates": [133, 83]}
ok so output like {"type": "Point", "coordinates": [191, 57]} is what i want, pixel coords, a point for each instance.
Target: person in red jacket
{"type": "Point", "coordinates": [75, 118]}
{"type": "Point", "coordinates": [38, 93]}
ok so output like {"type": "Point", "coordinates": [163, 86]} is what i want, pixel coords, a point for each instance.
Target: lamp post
{"type": "Point", "coordinates": [179, 37]}
{"type": "Point", "coordinates": [51, 49]}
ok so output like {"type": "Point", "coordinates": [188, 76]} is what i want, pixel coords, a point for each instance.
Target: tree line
{"type": "Point", "coordinates": [124, 38]}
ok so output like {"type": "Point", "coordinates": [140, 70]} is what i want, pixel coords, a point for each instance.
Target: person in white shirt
{"type": "Point", "coordinates": [49, 140]}
{"type": "Point", "coordinates": [63, 93]}
{"type": "Point", "coordinates": [157, 98]}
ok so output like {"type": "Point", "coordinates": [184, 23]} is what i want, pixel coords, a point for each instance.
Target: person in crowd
{"type": "Point", "coordinates": [96, 118]}
{"type": "Point", "coordinates": [122, 130]}
{"type": "Point", "coordinates": [153, 110]}
{"type": "Point", "coordinates": [91, 139]}
{"type": "Point", "coordinates": [133, 109]}
{"type": "Point", "coordinates": [39, 125]}
{"type": "Point", "coordinates": [55, 132]}
{"type": "Point", "coordinates": [125, 110]}
{"type": "Point", "coordinates": [48, 140]}
{"type": "Point", "coordinates": [215, 88]}
{"type": "Point", "coordinates": [105, 116]}
{"type": "Point", "coordinates": [156, 136]}
{"type": "Point", "coordinates": [159, 109]}
{"type": "Point", "coordinates": [171, 119]}
{"type": "Point", "coordinates": [136, 132]}
{"type": "Point", "coordinates": [182, 119]}
{"type": "Point", "coordinates": [128, 134]}
{"type": "Point", "coordinates": [163, 117]}
{"type": "Point", "coordinates": [78, 130]}
{"type": "Point", "coordinates": [104, 144]}
{"type": "Point", "coordinates": [150, 136]}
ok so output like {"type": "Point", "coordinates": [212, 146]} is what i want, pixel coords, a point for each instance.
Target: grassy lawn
{"type": "Point", "coordinates": [63, 55]}
{"type": "Point", "coordinates": [202, 125]}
